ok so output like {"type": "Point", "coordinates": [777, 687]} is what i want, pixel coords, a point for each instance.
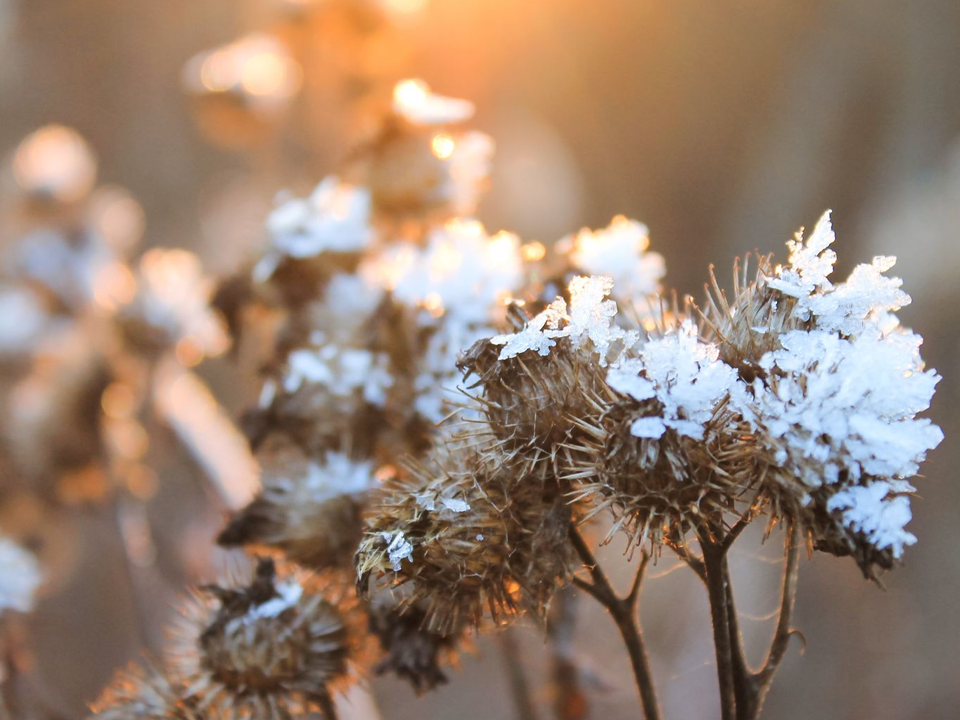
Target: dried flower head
{"type": "Point", "coordinates": [309, 511]}
{"type": "Point", "coordinates": [266, 650]}
{"type": "Point", "coordinates": [831, 389]}
{"type": "Point", "coordinates": [466, 534]}
{"type": "Point", "coordinates": [412, 651]}
{"type": "Point", "coordinates": [143, 692]}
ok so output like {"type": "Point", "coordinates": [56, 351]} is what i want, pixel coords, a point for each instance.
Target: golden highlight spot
{"type": "Point", "coordinates": [443, 146]}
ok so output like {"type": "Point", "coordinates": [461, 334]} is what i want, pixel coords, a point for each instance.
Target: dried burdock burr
{"type": "Point", "coordinates": [460, 538]}
{"type": "Point", "coordinates": [411, 650]}
{"type": "Point", "coordinates": [273, 648]}
{"type": "Point", "coordinates": [309, 511]}
{"type": "Point", "coordinates": [143, 692]}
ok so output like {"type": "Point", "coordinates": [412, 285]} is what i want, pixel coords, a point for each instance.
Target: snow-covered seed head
{"type": "Point", "coordinates": [309, 511]}
{"type": "Point", "coordinates": [266, 650]}
{"type": "Point", "coordinates": [531, 400]}
{"type": "Point", "coordinates": [142, 693]}
{"type": "Point", "coordinates": [535, 382]}
{"type": "Point", "coordinates": [656, 487]}
{"type": "Point", "coordinates": [462, 539]}
{"type": "Point", "coordinates": [865, 521]}
{"type": "Point", "coordinates": [831, 403]}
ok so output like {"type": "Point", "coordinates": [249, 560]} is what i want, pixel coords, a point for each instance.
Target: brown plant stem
{"type": "Point", "coordinates": [742, 690]}
{"type": "Point", "coordinates": [781, 636]}
{"type": "Point", "coordinates": [714, 559]}
{"type": "Point", "coordinates": [519, 685]}
{"type": "Point", "coordinates": [623, 610]}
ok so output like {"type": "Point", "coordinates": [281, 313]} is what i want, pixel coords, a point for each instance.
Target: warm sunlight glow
{"type": "Point", "coordinates": [55, 162]}
{"type": "Point", "coordinates": [442, 146]}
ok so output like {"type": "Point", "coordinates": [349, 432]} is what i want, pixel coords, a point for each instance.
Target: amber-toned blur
{"type": "Point", "coordinates": [723, 125]}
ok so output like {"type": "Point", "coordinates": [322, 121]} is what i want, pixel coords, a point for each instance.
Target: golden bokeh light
{"type": "Point", "coordinates": [442, 146]}
{"type": "Point", "coordinates": [55, 162]}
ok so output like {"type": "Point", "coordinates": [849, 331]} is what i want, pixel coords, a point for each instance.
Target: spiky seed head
{"type": "Point", "coordinates": [532, 401]}
{"type": "Point", "coordinates": [461, 539]}
{"type": "Point", "coordinates": [265, 650]}
{"type": "Point", "coordinates": [142, 693]}
{"type": "Point", "coordinates": [308, 511]}
{"type": "Point", "coordinates": [656, 488]}
{"type": "Point", "coordinates": [412, 651]}
{"type": "Point", "coordinates": [749, 323]}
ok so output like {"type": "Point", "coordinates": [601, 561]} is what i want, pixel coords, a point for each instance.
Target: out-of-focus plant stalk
{"type": "Point", "coordinates": [517, 676]}
{"type": "Point", "coordinates": [569, 700]}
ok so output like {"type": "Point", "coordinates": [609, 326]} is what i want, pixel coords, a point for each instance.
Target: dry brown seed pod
{"type": "Point", "coordinates": [308, 511]}
{"type": "Point", "coordinates": [532, 402]}
{"type": "Point", "coordinates": [655, 488]}
{"type": "Point", "coordinates": [273, 648]}
{"type": "Point", "coordinates": [412, 651]}
{"type": "Point", "coordinates": [142, 693]}
{"type": "Point", "coordinates": [465, 542]}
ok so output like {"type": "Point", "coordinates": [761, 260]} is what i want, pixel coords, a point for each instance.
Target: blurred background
{"type": "Point", "coordinates": [724, 125]}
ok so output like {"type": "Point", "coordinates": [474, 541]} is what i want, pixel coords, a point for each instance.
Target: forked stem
{"type": "Point", "coordinates": [623, 610]}
{"type": "Point", "coordinates": [742, 690]}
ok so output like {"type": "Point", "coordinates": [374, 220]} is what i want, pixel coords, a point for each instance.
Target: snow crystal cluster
{"type": "Point", "coordinates": [337, 474]}
{"type": "Point", "coordinates": [589, 317]}
{"type": "Point", "coordinates": [457, 284]}
{"type": "Point", "coordinates": [683, 374]}
{"type": "Point", "coordinates": [839, 404]}
{"type": "Point", "coordinates": [334, 218]}
{"type": "Point", "coordinates": [620, 251]}
{"type": "Point", "coordinates": [398, 549]}
{"type": "Point", "coordinates": [341, 371]}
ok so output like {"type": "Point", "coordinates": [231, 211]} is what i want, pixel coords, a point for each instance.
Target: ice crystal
{"type": "Point", "coordinates": [289, 593]}
{"type": "Point", "coordinates": [462, 271]}
{"type": "Point", "coordinates": [398, 548]}
{"type": "Point", "coordinates": [684, 374]}
{"type": "Point", "coordinates": [591, 314]}
{"type": "Point", "coordinates": [877, 512]}
{"type": "Point", "coordinates": [335, 218]}
{"type": "Point", "coordinates": [338, 474]}
{"type": "Point", "coordinates": [811, 262]}
{"type": "Point", "coordinates": [590, 317]}
{"type": "Point", "coordinates": [620, 251]}
{"type": "Point", "coordinates": [850, 307]}
{"type": "Point", "coordinates": [19, 577]}
{"type": "Point", "coordinates": [626, 378]}
{"type": "Point", "coordinates": [846, 406]}
{"type": "Point", "coordinates": [341, 370]}
{"type": "Point", "coordinates": [539, 334]}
